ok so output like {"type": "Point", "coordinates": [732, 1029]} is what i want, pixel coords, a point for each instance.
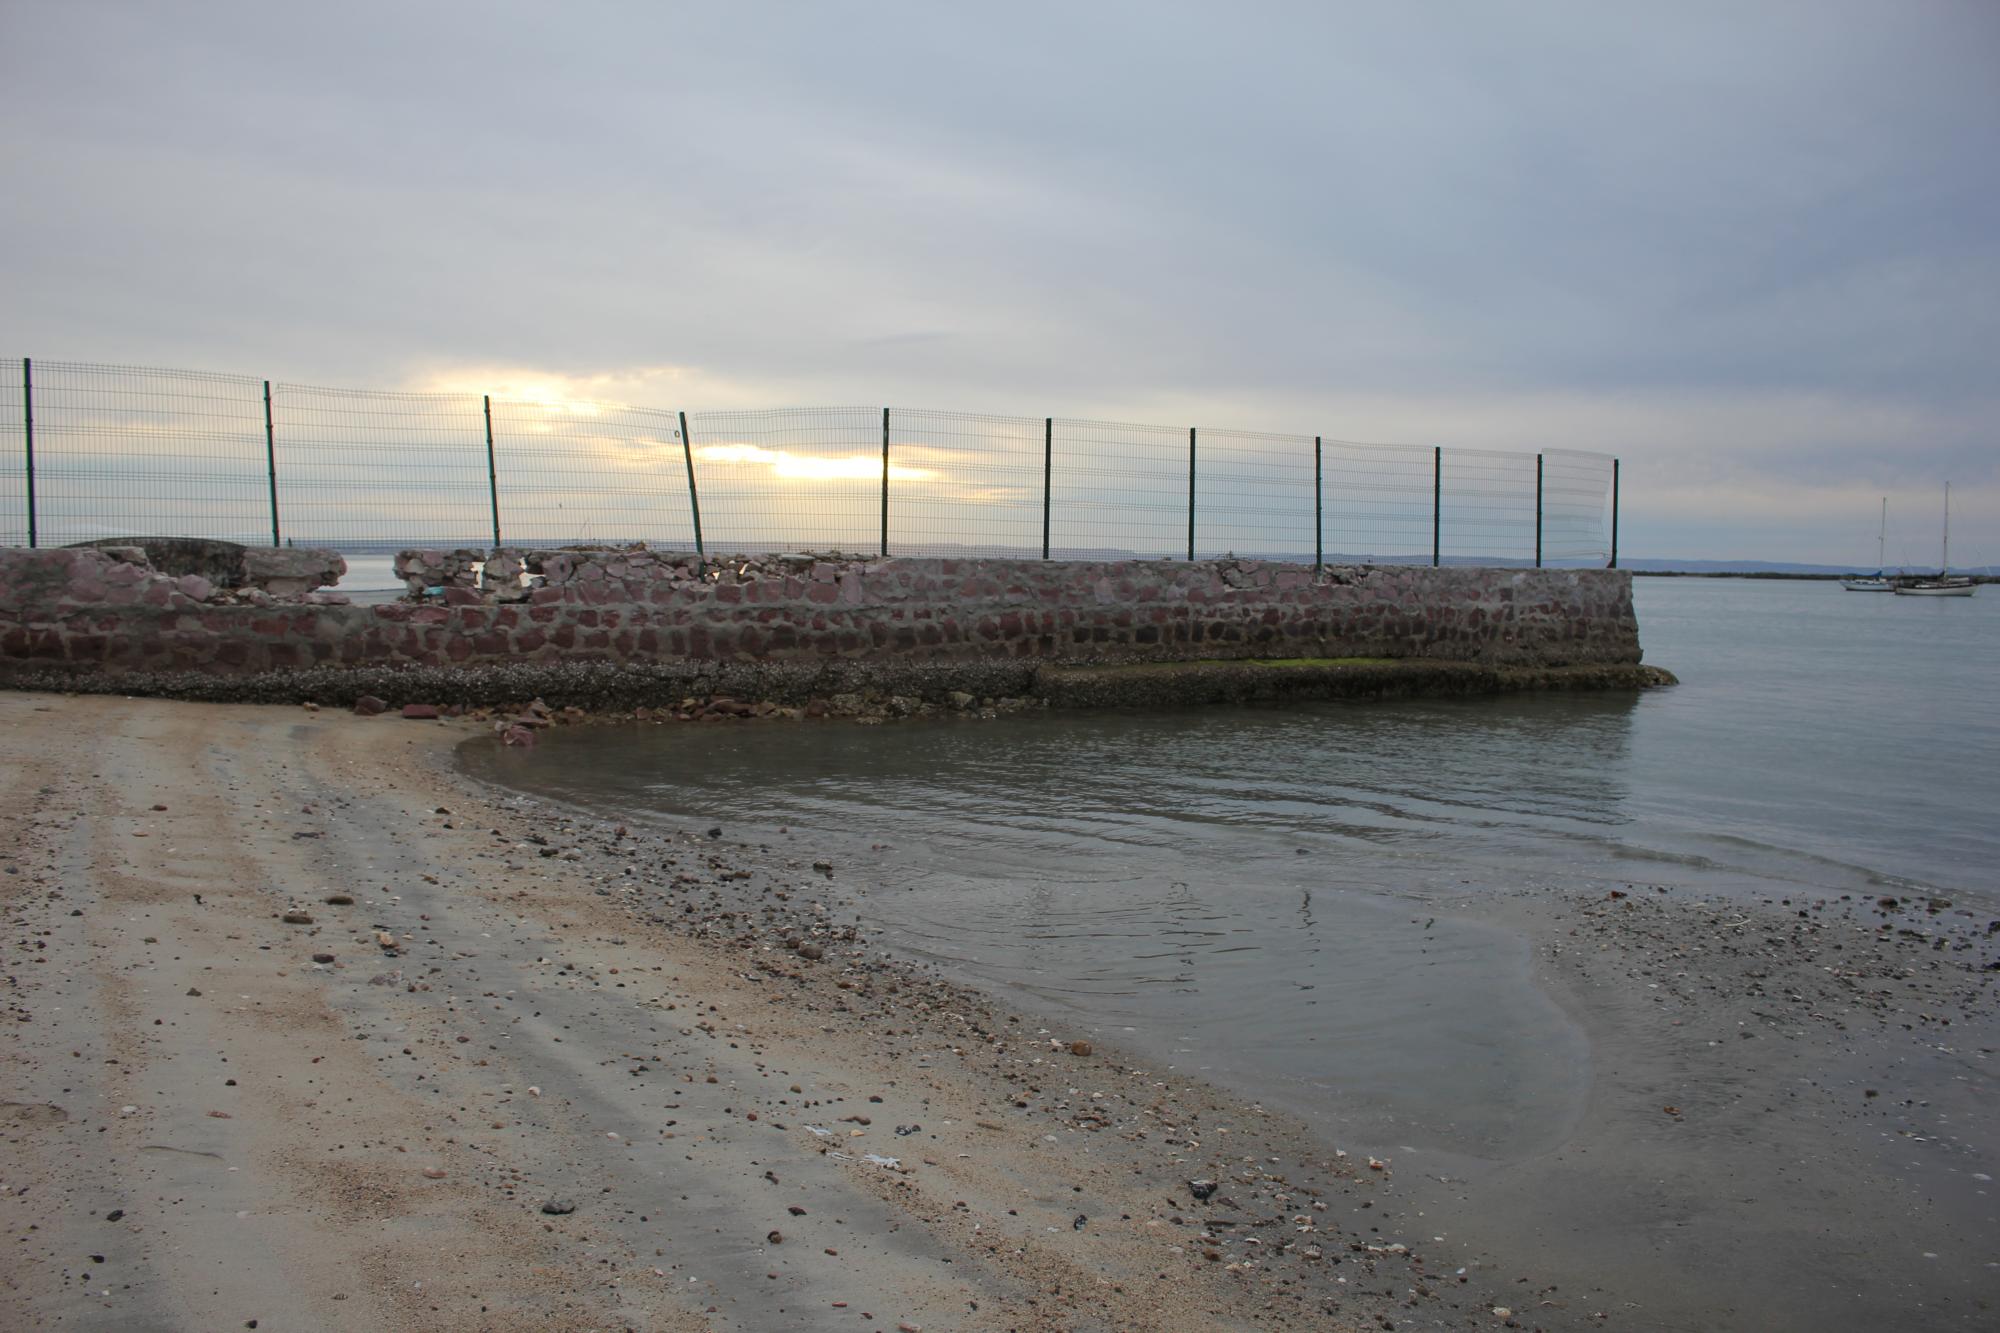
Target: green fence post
{"type": "Point", "coordinates": [1538, 511]}
{"type": "Point", "coordinates": [271, 462]}
{"type": "Point", "coordinates": [1437, 503]}
{"type": "Point", "coordinates": [694, 496]}
{"type": "Point", "coordinates": [1319, 513]}
{"type": "Point", "coordinates": [492, 472]}
{"type": "Point", "coordinates": [1048, 475]}
{"type": "Point", "coordinates": [28, 438]}
{"type": "Point", "coordinates": [1190, 492]}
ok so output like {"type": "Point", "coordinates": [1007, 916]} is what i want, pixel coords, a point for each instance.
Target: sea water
{"type": "Point", "coordinates": [1264, 894]}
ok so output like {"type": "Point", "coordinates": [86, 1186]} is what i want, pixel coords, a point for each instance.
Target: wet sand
{"type": "Point", "coordinates": [524, 1007]}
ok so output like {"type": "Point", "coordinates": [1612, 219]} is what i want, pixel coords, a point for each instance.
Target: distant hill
{"type": "Point", "coordinates": [1778, 568]}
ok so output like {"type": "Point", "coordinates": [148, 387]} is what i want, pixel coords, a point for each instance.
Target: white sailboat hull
{"type": "Point", "coordinates": [1946, 584]}
{"type": "Point", "coordinates": [1868, 585]}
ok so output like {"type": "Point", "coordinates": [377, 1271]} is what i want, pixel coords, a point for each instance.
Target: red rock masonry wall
{"type": "Point", "coordinates": [79, 608]}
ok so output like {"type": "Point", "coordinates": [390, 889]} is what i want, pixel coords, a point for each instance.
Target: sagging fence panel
{"type": "Point", "coordinates": [109, 451]}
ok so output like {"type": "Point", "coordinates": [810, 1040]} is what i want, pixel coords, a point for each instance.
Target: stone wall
{"type": "Point", "coordinates": [98, 612]}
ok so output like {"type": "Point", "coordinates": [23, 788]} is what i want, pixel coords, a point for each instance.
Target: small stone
{"type": "Point", "coordinates": [297, 916]}
{"type": "Point", "coordinates": [775, 1237]}
{"type": "Point", "coordinates": [368, 706]}
{"type": "Point", "coordinates": [322, 958]}
{"type": "Point", "coordinates": [1201, 1189]}
{"type": "Point", "coordinates": [433, 1173]}
{"type": "Point", "coordinates": [559, 1207]}
{"type": "Point", "coordinates": [811, 952]}
{"type": "Point", "coordinates": [192, 991]}
{"type": "Point", "coordinates": [340, 899]}
{"type": "Point", "coordinates": [114, 1214]}
{"type": "Point", "coordinates": [1079, 1048]}
{"type": "Point", "coordinates": [420, 712]}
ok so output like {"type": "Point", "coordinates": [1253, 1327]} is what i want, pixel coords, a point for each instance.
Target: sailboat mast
{"type": "Point", "coordinates": [1947, 527]}
{"type": "Point", "coordinates": [1882, 537]}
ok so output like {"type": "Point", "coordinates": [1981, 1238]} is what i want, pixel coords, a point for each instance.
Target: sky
{"type": "Point", "coordinates": [1751, 250]}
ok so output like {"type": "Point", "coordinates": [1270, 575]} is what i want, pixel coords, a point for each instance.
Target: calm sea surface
{"type": "Point", "coordinates": [1191, 883]}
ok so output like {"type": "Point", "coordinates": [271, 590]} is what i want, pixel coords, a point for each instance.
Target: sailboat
{"type": "Point", "coordinates": [1875, 582]}
{"type": "Point", "coordinates": [1946, 584]}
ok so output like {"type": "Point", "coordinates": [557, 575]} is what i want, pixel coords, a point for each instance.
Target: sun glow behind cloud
{"type": "Point", "coordinates": [787, 466]}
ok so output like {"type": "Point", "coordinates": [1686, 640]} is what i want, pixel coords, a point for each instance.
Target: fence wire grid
{"type": "Point", "coordinates": [90, 451]}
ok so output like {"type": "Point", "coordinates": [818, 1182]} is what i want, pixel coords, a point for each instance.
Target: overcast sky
{"type": "Point", "coordinates": [1753, 249]}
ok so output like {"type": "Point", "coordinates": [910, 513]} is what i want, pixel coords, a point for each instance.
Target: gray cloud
{"type": "Point", "coordinates": [1752, 242]}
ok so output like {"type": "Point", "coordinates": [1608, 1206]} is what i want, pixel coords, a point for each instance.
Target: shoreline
{"type": "Point", "coordinates": [499, 925]}
{"type": "Point", "coordinates": [1715, 1213]}
{"type": "Point", "coordinates": [372, 1141]}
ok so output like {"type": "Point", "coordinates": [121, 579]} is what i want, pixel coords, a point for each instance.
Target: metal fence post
{"type": "Point", "coordinates": [885, 482]}
{"type": "Point", "coordinates": [694, 497]}
{"type": "Point", "coordinates": [492, 472]}
{"type": "Point", "coordinates": [1614, 513]}
{"type": "Point", "coordinates": [271, 462]}
{"type": "Point", "coordinates": [1319, 513]}
{"type": "Point", "coordinates": [1190, 492]}
{"type": "Point", "coordinates": [1048, 475]}
{"type": "Point", "coordinates": [28, 438]}
{"type": "Point", "coordinates": [1538, 511]}
{"type": "Point", "coordinates": [1437, 503]}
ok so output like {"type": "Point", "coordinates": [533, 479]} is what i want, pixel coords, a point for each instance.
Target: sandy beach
{"type": "Point", "coordinates": [308, 1031]}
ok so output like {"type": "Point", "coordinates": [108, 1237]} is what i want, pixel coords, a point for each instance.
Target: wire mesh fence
{"type": "Point", "coordinates": [965, 484]}
{"type": "Point", "coordinates": [807, 478]}
{"type": "Point", "coordinates": [1574, 486]}
{"type": "Point", "coordinates": [117, 448]}
{"type": "Point", "coordinates": [1118, 490]}
{"type": "Point", "coordinates": [381, 469]}
{"type": "Point", "coordinates": [590, 472]}
{"type": "Point", "coordinates": [1486, 503]}
{"type": "Point", "coordinates": [1254, 495]}
{"type": "Point", "coordinates": [1379, 501]}
{"type": "Point", "coordinates": [115, 451]}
